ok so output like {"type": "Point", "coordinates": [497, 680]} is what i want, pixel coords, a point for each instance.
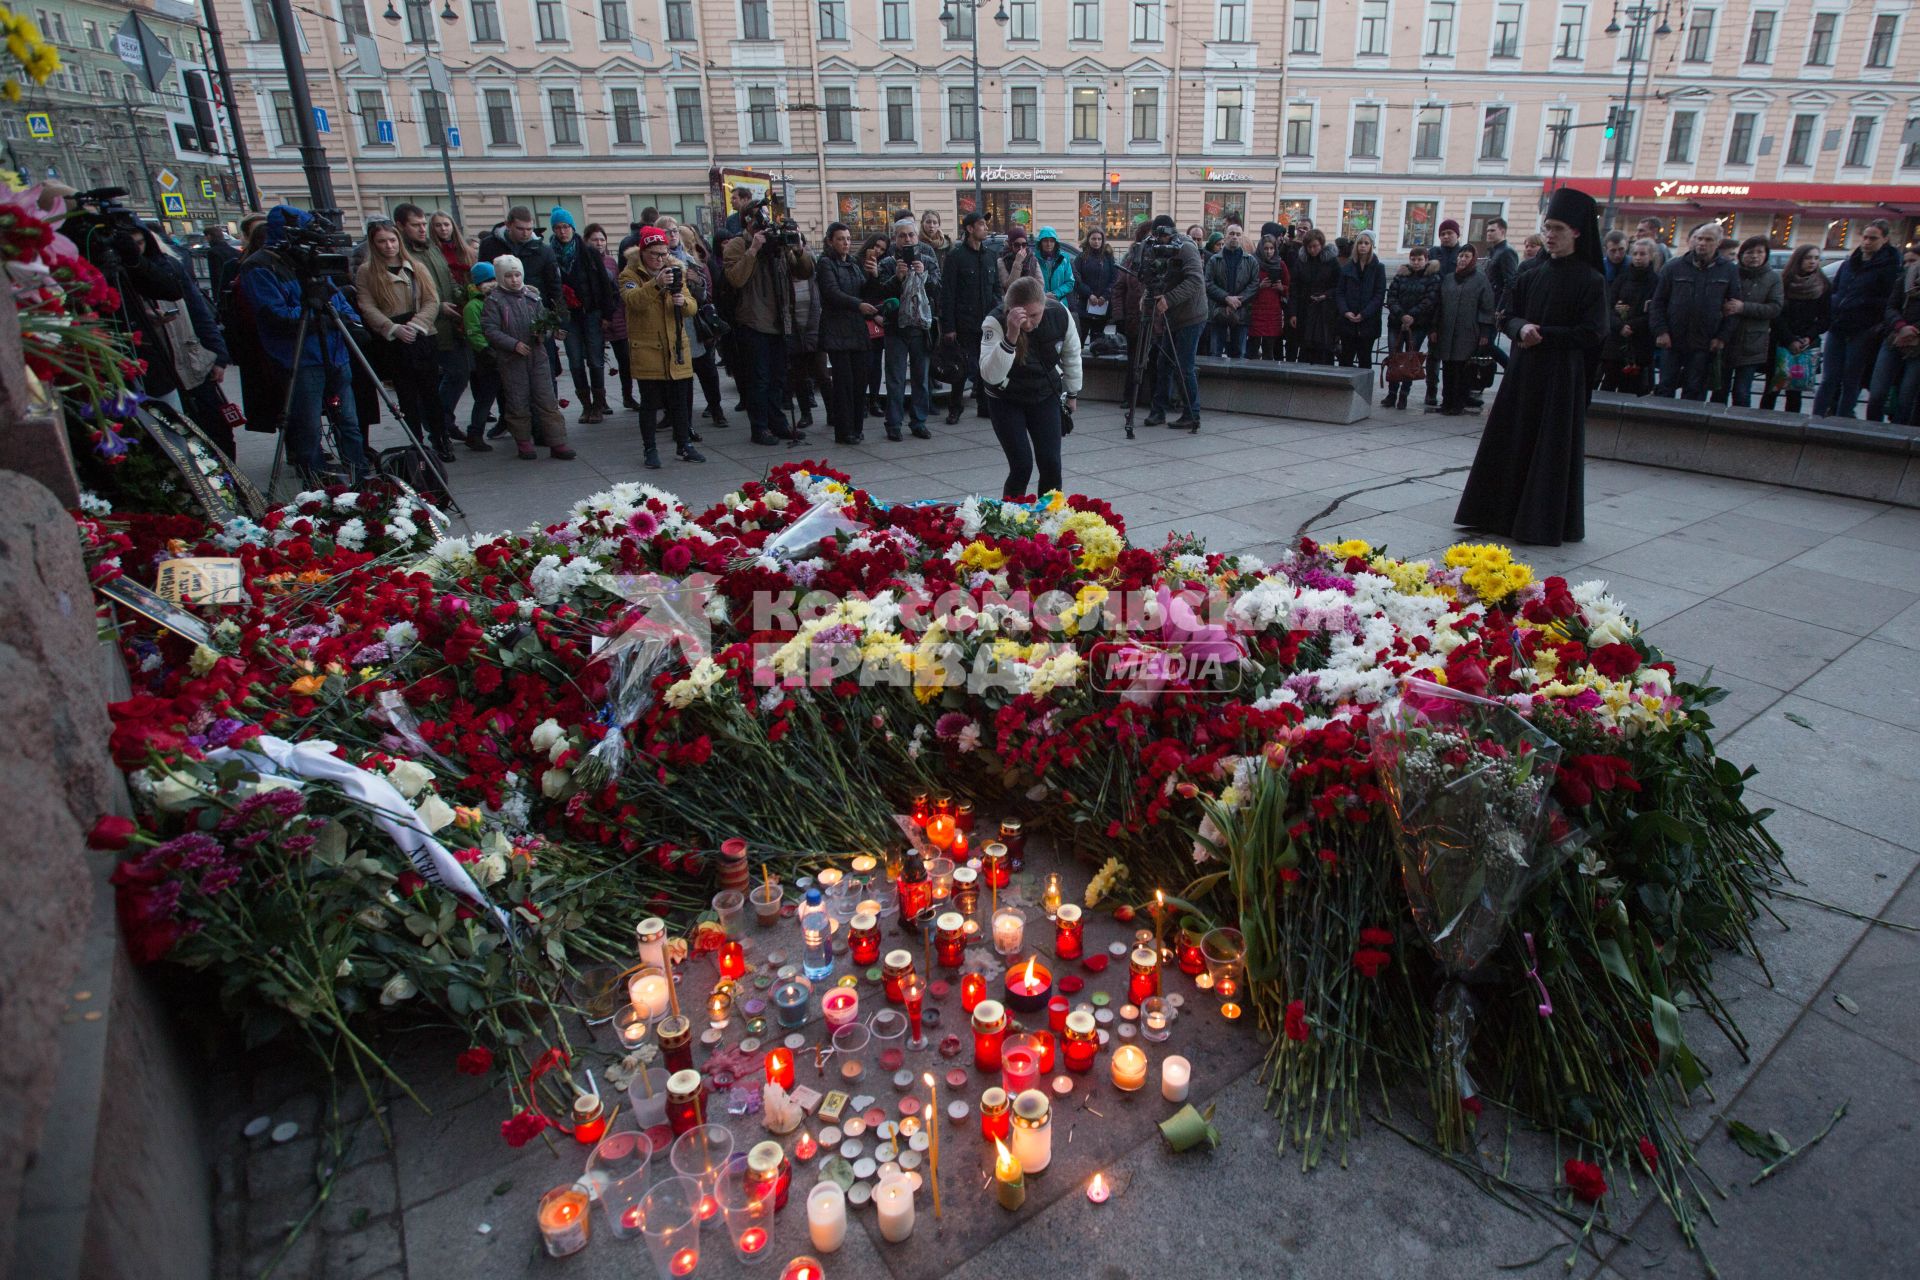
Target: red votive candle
{"type": "Point", "coordinates": [863, 938]}
{"type": "Point", "coordinates": [1028, 987]}
{"type": "Point", "coordinates": [1082, 1041]}
{"type": "Point", "coordinates": [950, 944]}
{"type": "Point", "coordinates": [1019, 1067]}
{"type": "Point", "coordinates": [973, 989]}
{"type": "Point", "coordinates": [989, 1033]}
{"type": "Point", "coordinates": [1143, 974]}
{"type": "Point", "coordinates": [1069, 932]}
{"type": "Point", "coordinates": [780, 1067]}
{"type": "Point", "coordinates": [733, 961]}
{"type": "Point", "coordinates": [1057, 1014]}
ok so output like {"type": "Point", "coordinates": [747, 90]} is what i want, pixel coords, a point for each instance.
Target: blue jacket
{"type": "Point", "coordinates": [1863, 288]}
{"type": "Point", "coordinates": [1363, 291]}
{"type": "Point", "coordinates": [274, 290]}
{"type": "Point", "coordinates": [1056, 273]}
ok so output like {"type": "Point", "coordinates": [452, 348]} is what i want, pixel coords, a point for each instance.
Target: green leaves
{"type": "Point", "coordinates": [1761, 1146]}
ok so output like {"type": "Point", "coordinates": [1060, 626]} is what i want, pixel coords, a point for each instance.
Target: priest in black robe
{"type": "Point", "coordinates": [1527, 481]}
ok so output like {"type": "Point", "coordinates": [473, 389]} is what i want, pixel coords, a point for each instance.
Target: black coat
{"type": "Point", "coordinates": [591, 284]}
{"type": "Point", "coordinates": [1807, 318]}
{"type": "Point", "coordinates": [1414, 293]}
{"type": "Point", "coordinates": [1633, 289]}
{"type": "Point", "coordinates": [1863, 288]}
{"type": "Point", "coordinates": [1503, 264]}
{"type": "Point", "coordinates": [1528, 477]}
{"type": "Point", "coordinates": [1093, 276]}
{"type": "Point", "coordinates": [843, 286]}
{"type": "Point", "coordinates": [969, 289]}
{"type": "Point", "coordinates": [1363, 290]}
{"type": "Point", "coordinates": [1315, 301]}
{"type": "Point", "coordinates": [1687, 300]}
{"type": "Point", "coordinates": [536, 255]}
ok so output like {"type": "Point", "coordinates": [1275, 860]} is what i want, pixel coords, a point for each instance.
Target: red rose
{"type": "Point", "coordinates": [112, 832]}
{"type": "Point", "coordinates": [476, 1061]}
{"type": "Point", "coordinates": [410, 883]}
{"type": "Point", "coordinates": [1615, 661]}
{"type": "Point", "coordinates": [1586, 1180]}
{"type": "Point", "coordinates": [1472, 1106]}
{"type": "Point", "coordinates": [464, 640]}
{"type": "Point", "coordinates": [1375, 936]}
{"type": "Point", "coordinates": [523, 1127]}
{"type": "Point", "coordinates": [1297, 1020]}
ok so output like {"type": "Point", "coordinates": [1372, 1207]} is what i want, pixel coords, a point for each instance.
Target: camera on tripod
{"type": "Point", "coordinates": [1156, 264]}
{"type": "Point", "coordinates": [101, 222]}
{"type": "Point", "coordinates": [317, 250]}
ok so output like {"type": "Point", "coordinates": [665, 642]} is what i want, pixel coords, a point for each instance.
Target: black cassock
{"type": "Point", "coordinates": [1527, 479]}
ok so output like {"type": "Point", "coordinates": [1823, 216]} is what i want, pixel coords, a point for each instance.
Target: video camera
{"type": "Point", "coordinates": [1156, 263]}
{"type": "Point", "coordinates": [761, 216]}
{"type": "Point", "coordinates": [107, 231]}
{"type": "Point", "coordinates": [318, 250]}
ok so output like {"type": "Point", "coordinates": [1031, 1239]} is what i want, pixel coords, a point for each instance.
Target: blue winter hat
{"type": "Point", "coordinates": [558, 216]}
{"type": "Point", "coordinates": [481, 272]}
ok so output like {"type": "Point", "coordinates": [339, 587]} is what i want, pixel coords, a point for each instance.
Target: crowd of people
{"type": "Point", "coordinates": [891, 326]}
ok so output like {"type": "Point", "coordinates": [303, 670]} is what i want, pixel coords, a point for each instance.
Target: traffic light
{"type": "Point", "coordinates": [1613, 117]}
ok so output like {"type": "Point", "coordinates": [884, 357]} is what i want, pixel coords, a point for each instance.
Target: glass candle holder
{"type": "Point", "coordinates": [769, 1170]}
{"type": "Point", "coordinates": [950, 942]}
{"type": "Point", "coordinates": [675, 1034]}
{"type": "Point", "coordinates": [1192, 960]}
{"type": "Point", "coordinates": [1043, 1043]}
{"type": "Point", "coordinates": [1057, 1015]}
{"type": "Point", "coordinates": [1069, 932]}
{"type": "Point", "coordinates": [887, 1026]}
{"type": "Point", "coordinates": [686, 1102]}
{"type": "Point", "coordinates": [963, 816]}
{"type": "Point", "coordinates": [720, 1006]}
{"type": "Point", "coordinates": [746, 1206]}
{"type": "Point", "coordinates": [1028, 986]}
{"type": "Point", "coordinates": [966, 890]}
{"type": "Point", "coordinates": [766, 900]}
{"type": "Point", "coordinates": [1019, 1065]}
{"type": "Point", "coordinates": [1081, 1041]}
{"type": "Point", "coordinates": [630, 1026]}
{"type": "Point", "coordinates": [589, 1119]}
{"type": "Point", "coordinates": [915, 995]}
{"type": "Point", "coordinates": [1032, 1131]}
{"type": "Point", "coordinates": [1225, 951]}
{"type": "Point", "coordinates": [649, 989]}
{"type": "Point", "coordinates": [943, 803]}
{"type": "Point", "coordinates": [701, 1154]}
{"type": "Point", "coordinates": [922, 808]}
{"type": "Point", "coordinates": [826, 1217]}
{"type": "Point", "coordinates": [896, 863]}
{"type": "Point", "coordinates": [616, 1177]}
{"type": "Point", "coordinates": [564, 1225]}
{"type": "Point", "coordinates": [731, 960]}
{"type": "Point", "coordinates": [897, 968]}
{"type": "Point", "coordinates": [893, 1201]}
{"type": "Point", "coordinates": [731, 906]}
{"type": "Point", "coordinates": [1156, 1019]}
{"type": "Point", "coordinates": [1129, 1068]}
{"type": "Point", "coordinates": [840, 1007]}
{"type": "Point", "coordinates": [989, 1033]}
{"type": "Point", "coordinates": [780, 1067]}
{"type": "Point", "coordinates": [940, 876]}
{"type": "Point", "coordinates": [1176, 1076]}
{"type": "Point", "coordinates": [941, 831]}
{"type": "Point", "coordinates": [863, 938]}
{"type": "Point", "coordinates": [790, 1001]}
{"type": "Point", "coordinates": [650, 940]}
{"type": "Point", "coordinates": [995, 865]}
{"type": "Point", "coordinates": [1009, 930]}
{"type": "Point", "coordinates": [1014, 836]}
{"type": "Point", "coordinates": [1143, 974]}
{"type": "Point", "coordinates": [996, 1114]}
{"type": "Point", "coordinates": [973, 989]}
{"type": "Point", "coordinates": [670, 1222]}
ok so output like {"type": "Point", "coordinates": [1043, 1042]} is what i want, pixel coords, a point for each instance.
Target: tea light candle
{"type": "Point", "coordinates": [1029, 987]}
{"type": "Point", "coordinates": [563, 1221]}
{"type": "Point", "coordinates": [893, 1198]}
{"type": "Point", "coordinates": [806, 1146]}
{"type": "Point", "coordinates": [650, 990]}
{"type": "Point", "coordinates": [840, 1006]}
{"type": "Point", "coordinates": [863, 865]}
{"type": "Point", "coordinates": [790, 1003]}
{"type": "Point", "coordinates": [805, 1268]}
{"type": "Point", "coordinates": [719, 1008]}
{"type": "Point", "coordinates": [827, 1216]}
{"type": "Point", "coordinates": [829, 877]}
{"type": "Point", "coordinates": [1176, 1075]}
{"type": "Point", "coordinates": [630, 1024]}
{"type": "Point", "coordinates": [1050, 899]}
{"type": "Point", "coordinates": [1129, 1067]}
{"type": "Point", "coordinates": [1009, 931]}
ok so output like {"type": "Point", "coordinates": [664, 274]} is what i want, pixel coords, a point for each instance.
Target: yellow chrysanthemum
{"type": "Point", "coordinates": [1489, 570]}
{"type": "Point", "coordinates": [1351, 547]}
{"type": "Point", "coordinates": [978, 555]}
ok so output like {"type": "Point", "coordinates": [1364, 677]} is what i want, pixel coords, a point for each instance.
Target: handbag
{"type": "Point", "coordinates": [708, 326]}
{"type": "Point", "coordinates": [1796, 371]}
{"type": "Point", "coordinates": [875, 330]}
{"type": "Point", "coordinates": [1480, 372]}
{"type": "Point", "coordinates": [1406, 366]}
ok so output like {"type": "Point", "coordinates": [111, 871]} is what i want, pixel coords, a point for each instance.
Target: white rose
{"type": "Point", "coordinates": [435, 813]}
{"type": "Point", "coordinates": [776, 500]}
{"type": "Point", "coordinates": [491, 869]}
{"type": "Point", "coordinates": [558, 749]}
{"type": "Point", "coordinates": [410, 778]}
{"type": "Point", "coordinates": [345, 970]}
{"type": "Point", "coordinates": [554, 783]}
{"type": "Point", "coordinates": [266, 782]}
{"type": "Point", "coordinates": [399, 987]}
{"type": "Point", "coordinates": [545, 733]}
{"type": "Point", "coordinates": [174, 792]}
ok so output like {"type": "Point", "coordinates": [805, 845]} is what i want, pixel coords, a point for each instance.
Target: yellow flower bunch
{"type": "Point", "coordinates": [1085, 601]}
{"type": "Point", "coordinates": [1100, 543]}
{"type": "Point", "coordinates": [1351, 547]}
{"type": "Point", "coordinates": [1409, 577]}
{"type": "Point", "coordinates": [1104, 879]}
{"type": "Point", "coordinates": [24, 45]}
{"type": "Point", "coordinates": [1491, 572]}
{"type": "Point", "coordinates": [978, 555]}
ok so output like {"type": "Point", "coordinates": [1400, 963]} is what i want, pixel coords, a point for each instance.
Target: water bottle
{"type": "Point", "coordinates": [817, 936]}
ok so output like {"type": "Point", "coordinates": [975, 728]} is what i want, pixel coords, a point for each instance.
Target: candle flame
{"type": "Point", "coordinates": [1099, 1185]}
{"type": "Point", "coordinates": [1028, 983]}
{"type": "Point", "coordinates": [928, 1077]}
{"type": "Point", "coordinates": [1005, 1167]}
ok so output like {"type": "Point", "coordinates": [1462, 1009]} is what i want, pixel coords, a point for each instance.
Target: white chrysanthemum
{"type": "Point", "coordinates": [400, 637]}
{"type": "Point", "coordinates": [352, 535]}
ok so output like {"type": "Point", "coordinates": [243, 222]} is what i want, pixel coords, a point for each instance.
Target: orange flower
{"type": "Point", "coordinates": [307, 686]}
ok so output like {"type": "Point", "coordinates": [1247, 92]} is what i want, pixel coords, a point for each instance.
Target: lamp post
{"type": "Point", "coordinates": [947, 16]}
{"type": "Point", "coordinates": [1638, 16]}
{"type": "Point", "coordinates": [447, 14]}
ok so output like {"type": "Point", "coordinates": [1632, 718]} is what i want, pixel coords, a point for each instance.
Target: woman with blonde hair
{"type": "Point", "coordinates": [1029, 358]}
{"type": "Point", "coordinates": [444, 234]}
{"type": "Point", "coordinates": [399, 304]}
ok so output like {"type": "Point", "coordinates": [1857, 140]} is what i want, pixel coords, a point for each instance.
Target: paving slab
{"type": "Point", "coordinates": [1877, 978]}
{"type": "Point", "coordinates": [1874, 678]}
{"type": "Point", "coordinates": [1762, 647]}
{"type": "Point", "coordinates": [1836, 763]}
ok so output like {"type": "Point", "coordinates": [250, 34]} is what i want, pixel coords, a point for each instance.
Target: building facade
{"type": "Point", "coordinates": [98, 123]}
{"type": "Point", "coordinates": [1782, 116]}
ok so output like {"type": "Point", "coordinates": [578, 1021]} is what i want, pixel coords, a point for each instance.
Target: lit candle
{"type": "Point", "coordinates": [1176, 1074]}
{"type": "Point", "coordinates": [1033, 1131]}
{"type": "Point", "coordinates": [1143, 974]}
{"type": "Point", "coordinates": [630, 1024]}
{"type": "Point", "coordinates": [563, 1221]}
{"type": "Point", "coordinates": [941, 831]}
{"type": "Point", "coordinates": [1029, 987]}
{"type": "Point", "coordinates": [1009, 1184]}
{"type": "Point", "coordinates": [951, 941]}
{"type": "Point", "coordinates": [806, 1146]}
{"type": "Point", "coordinates": [790, 1003]}
{"type": "Point", "coordinates": [1041, 1042]}
{"type": "Point", "coordinates": [1129, 1067]}
{"type": "Point", "coordinates": [826, 877]}
{"type": "Point", "coordinates": [1082, 1041]}
{"type": "Point", "coordinates": [1009, 930]}
{"type": "Point", "coordinates": [1097, 1190]}
{"type": "Point", "coordinates": [780, 1067]}
{"type": "Point", "coordinates": [589, 1117]}
{"type": "Point", "coordinates": [650, 991]}
{"type": "Point", "coordinates": [840, 1006]}
{"type": "Point", "coordinates": [915, 997]}
{"type": "Point", "coordinates": [996, 1118]}
{"type": "Point", "coordinates": [684, 1261]}
{"type": "Point", "coordinates": [827, 1216]}
{"type": "Point", "coordinates": [893, 1198]}
{"type": "Point", "coordinates": [733, 961]}
{"type": "Point", "coordinates": [805, 1268]}
{"type": "Point", "coordinates": [1069, 932]}
{"type": "Point", "coordinates": [1050, 900]}
{"type": "Point", "coordinates": [989, 1031]}
{"type": "Point", "coordinates": [1159, 921]}
{"type": "Point", "coordinates": [719, 1008]}
{"type": "Point", "coordinates": [973, 989]}
{"type": "Point", "coordinates": [1019, 1068]}
{"type": "Point", "coordinates": [933, 1134]}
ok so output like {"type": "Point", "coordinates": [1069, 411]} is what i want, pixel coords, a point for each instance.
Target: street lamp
{"type": "Point", "coordinates": [447, 14]}
{"type": "Point", "coordinates": [947, 16]}
{"type": "Point", "coordinates": [1638, 16]}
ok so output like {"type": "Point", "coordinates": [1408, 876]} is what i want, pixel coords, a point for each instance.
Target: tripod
{"type": "Point", "coordinates": [1149, 342]}
{"type": "Point", "coordinates": [317, 303]}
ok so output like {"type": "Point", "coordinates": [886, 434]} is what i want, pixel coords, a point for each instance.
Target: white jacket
{"type": "Point", "coordinates": [996, 356]}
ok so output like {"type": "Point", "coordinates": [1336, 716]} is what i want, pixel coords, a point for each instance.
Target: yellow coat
{"type": "Point", "coordinates": [658, 347]}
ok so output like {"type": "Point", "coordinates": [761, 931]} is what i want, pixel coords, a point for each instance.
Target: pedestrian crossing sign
{"type": "Point", "coordinates": [39, 124]}
{"type": "Point", "coordinates": [174, 205]}
{"type": "Point", "coordinates": [206, 189]}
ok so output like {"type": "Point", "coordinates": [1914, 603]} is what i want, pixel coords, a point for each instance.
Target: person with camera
{"type": "Point", "coordinates": [909, 282]}
{"type": "Point", "coordinates": [527, 395]}
{"type": "Point", "coordinates": [848, 299]}
{"type": "Point", "coordinates": [401, 308]}
{"type": "Point", "coordinates": [1029, 358]}
{"type": "Point", "coordinates": [1177, 294]}
{"type": "Point", "coordinates": [452, 357]}
{"type": "Point", "coordinates": [285, 288]}
{"type": "Point", "coordinates": [761, 264]}
{"type": "Point", "coordinates": [969, 291]}
{"type": "Point", "coordinates": [655, 296]}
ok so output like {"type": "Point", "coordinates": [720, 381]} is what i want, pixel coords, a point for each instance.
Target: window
{"type": "Point", "coordinates": [1559, 122]}
{"type": "Point", "coordinates": [1780, 231]}
{"type": "Point", "coordinates": [1493, 133]}
{"type": "Point", "coordinates": [899, 114]}
{"type": "Point", "coordinates": [1357, 215]}
{"type": "Point", "coordinates": [961, 115]}
{"type": "Point", "coordinates": [961, 27]}
{"type": "Point", "coordinates": [1306, 26]}
{"type": "Point", "coordinates": [839, 114]}
{"type": "Point", "coordinates": [1740, 138]}
{"type": "Point", "coordinates": [1085, 20]}
{"type": "Point", "coordinates": [896, 20]}
{"type": "Point", "coordinates": [354, 11]}
{"type": "Point", "coordinates": [763, 115]}
{"type": "Point", "coordinates": [755, 22]}
{"type": "Point", "coordinates": [1222, 207]}
{"type": "Point", "coordinates": [107, 86]}
{"type": "Point", "coordinates": [433, 114]}
{"type": "Point", "coordinates": [1760, 37]}
{"type": "Point", "coordinates": [1860, 143]}
{"type": "Point", "coordinates": [1621, 144]}
{"type": "Point", "coordinates": [419, 22]}
{"type": "Point", "coordinates": [1479, 214]}
{"type": "Point", "coordinates": [501, 130]}
{"type": "Point", "coordinates": [1439, 42]}
{"type": "Point", "coordinates": [283, 121]}
{"type": "Point", "coordinates": [1023, 19]}
{"type": "Point", "coordinates": [486, 21]}
{"type": "Point", "coordinates": [614, 24]}
{"type": "Point", "coordinates": [1880, 44]}
{"type": "Point", "coordinates": [1820, 43]}
{"type": "Point", "coordinates": [688, 118]}
{"type": "Point", "coordinates": [1366, 132]}
{"type": "Point", "coordinates": [1680, 137]}
{"type": "Point", "coordinates": [1115, 212]}
{"type": "Point", "coordinates": [1228, 110]}
{"type": "Point", "coordinates": [1570, 35]}
{"type": "Point", "coordinates": [1800, 140]}
{"type": "Point", "coordinates": [1429, 125]}
{"type": "Point", "coordinates": [1372, 38]}
{"type": "Point", "coordinates": [1910, 158]}
{"type": "Point", "coordinates": [1023, 120]}
{"type": "Point", "coordinates": [93, 29]}
{"type": "Point", "coordinates": [1230, 24]}
{"type": "Point", "coordinates": [833, 19]}
{"type": "Point", "coordinates": [566, 117]}
{"type": "Point", "coordinates": [1506, 30]}
{"type": "Point", "coordinates": [1146, 21]}
{"type": "Point", "coordinates": [626, 116]}
{"type": "Point", "coordinates": [689, 209]}
{"type": "Point", "coordinates": [372, 109]}
{"type": "Point", "coordinates": [1086, 115]}
{"type": "Point", "coordinates": [1146, 115]}
{"type": "Point", "coordinates": [679, 19]}
{"type": "Point", "coordinates": [1418, 222]}
{"type": "Point", "coordinates": [1700, 36]}
{"type": "Point", "coordinates": [870, 213]}
{"type": "Point", "coordinates": [1299, 125]}
{"type": "Point", "coordinates": [549, 22]}
{"type": "Point", "coordinates": [263, 27]}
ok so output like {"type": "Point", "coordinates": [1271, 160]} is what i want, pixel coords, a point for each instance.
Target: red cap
{"type": "Point", "coordinates": [649, 235]}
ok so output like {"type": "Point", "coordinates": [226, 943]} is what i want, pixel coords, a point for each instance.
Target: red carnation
{"type": "Point", "coordinates": [1297, 1020]}
{"type": "Point", "coordinates": [1586, 1180]}
{"type": "Point", "coordinates": [1650, 1154]}
{"type": "Point", "coordinates": [476, 1061]}
{"type": "Point", "coordinates": [1370, 962]}
{"type": "Point", "coordinates": [523, 1127]}
{"type": "Point", "coordinates": [676, 559]}
{"type": "Point", "coordinates": [410, 883]}
{"type": "Point", "coordinates": [1615, 660]}
{"type": "Point", "coordinates": [1375, 936]}
{"type": "Point", "coordinates": [112, 832]}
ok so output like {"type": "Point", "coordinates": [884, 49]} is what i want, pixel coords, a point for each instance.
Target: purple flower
{"type": "Point", "coordinates": [298, 845]}
{"type": "Point", "coordinates": [220, 879]}
{"type": "Point", "coordinates": [194, 849]}
{"type": "Point", "coordinates": [110, 446]}
{"type": "Point", "coordinates": [375, 652]}
{"type": "Point", "coordinates": [1321, 580]}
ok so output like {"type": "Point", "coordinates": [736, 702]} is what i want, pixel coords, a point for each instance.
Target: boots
{"type": "Point", "coordinates": [1393, 394]}
{"type": "Point", "coordinates": [1400, 401]}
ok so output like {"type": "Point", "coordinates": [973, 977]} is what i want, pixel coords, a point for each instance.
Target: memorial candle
{"type": "Point", "coordinates": [733, 961]}
{"type": "Point", "coordinates": [1009, 1185]}
{"type": "Point", "coordinates": [996, 1114]}
{"type": "Point", "coordinates": [650, 991]}
{"type": "Point", "coordinates": [950, 944]}
{"type": "Point", "coordinates": [1129, 1067]}
{"type": "Point", "coordinates": [1033, 1131]}
{"type": "Point", "coordinates": [1069, 932]}
{"type": "Point", "coordinates": [650, 935]}
{"type": "Point", "coordinates": [989, 1032]}
{"type": "Point", "coordinates": [589, 1118]}
{"type": "Point", "coordinates": [780, 1067]}
{"type": "Point", "coordinates": [1082, 1041]}
{"type": "Point", "coordinates": [896, 970]}
{"type": "Point", "coordinates": [893, 1198]}
{"type": "Point", "coordinates": [1019, 1067]}
{"type": "Point", "coordinates": [1143, 976]}
{"type": "Point", "coordinates": [994, 866]}
{"type": "Point", "coordinates": [840, 1006]}
{"type": "Point", "coordinates": [1176, 1074]}
{"type": "Point", "coordinates": [827, 1216]}
{"type": "Point", "coordinates": [863, 938]}
{"type": "Point", "coordinates": [564, 1224]}
{"type": "Point", "coordinates": [1057, 1014]}
{"type": "Point", "coordinates": [1009, 930]}
{"type": "Point", "coordinates": [805, 1268]}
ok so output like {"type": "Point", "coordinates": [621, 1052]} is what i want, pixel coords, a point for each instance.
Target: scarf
{"type": "Point", "coordinates": [1753, 273]}
{"type": "Point", "coordinates": [563, 253]}
{"type": "Point", "coordinates": [456, 263]}
{"type": "Point", "coordinates": [1807, 286]}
